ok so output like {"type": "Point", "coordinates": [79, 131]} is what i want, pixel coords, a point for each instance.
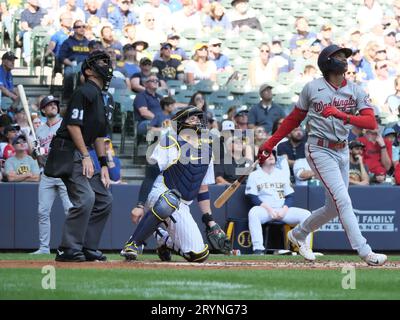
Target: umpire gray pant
{"type": "Point", "coordinates": [91, 205]}
{"type": "Point", "coordinates": [48, 190]}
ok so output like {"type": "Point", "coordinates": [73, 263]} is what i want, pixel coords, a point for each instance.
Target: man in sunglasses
{"type": "Point", "coordinates": [21, 167]}
{"type": "Point", "coordinates": [363, 67]}
{"type": "Point", "coordinates": [382, 86]}
{"type": "Point", "coordinates": [73, 52]}
{"type": "Point", "coordinates": [215, 55]}
{"type": "Point", "coordinates": [147, 104]}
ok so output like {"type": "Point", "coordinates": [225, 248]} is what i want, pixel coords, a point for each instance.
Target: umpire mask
{"type": "Point", "coordinates": [100, 62]}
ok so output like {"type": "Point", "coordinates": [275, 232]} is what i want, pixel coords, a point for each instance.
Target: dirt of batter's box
{"type": "Point", "coordinates": [155, 264]}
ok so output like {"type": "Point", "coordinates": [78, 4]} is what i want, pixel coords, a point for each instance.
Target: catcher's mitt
{"type": "Point", "coordinates": [218, 240]}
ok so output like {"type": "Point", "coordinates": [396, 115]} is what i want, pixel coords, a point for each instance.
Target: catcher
{"type": "Point", "coordinates": [186, 166]}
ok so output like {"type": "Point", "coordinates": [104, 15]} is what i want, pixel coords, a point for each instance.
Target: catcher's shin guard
{"type": "Point", "coordinates": [197, 256]}
{"type": "Point", "coordinates": [164, 207]}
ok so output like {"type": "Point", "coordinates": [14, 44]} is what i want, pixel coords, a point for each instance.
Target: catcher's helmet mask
{"type": "Point", "coordinates": [182, 115]}
{"type": "Point", "coordinates": [105, 71]}
{"type": "Point", "coordinates": [46, 101]}
{"type": "Point", "coordinates": [328, 64]}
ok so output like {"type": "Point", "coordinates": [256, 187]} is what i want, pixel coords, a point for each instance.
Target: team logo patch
{"type": "Point", "coordinates": [244, 239]}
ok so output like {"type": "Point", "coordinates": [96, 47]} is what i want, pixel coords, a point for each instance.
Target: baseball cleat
{"type": "Point", "coordinates": [69, 255]}
{"type": "Point", "coordinates": [41, 251]}
{"type": "Point", "coordinates": [94, 255]}
{"type": "Point", "coordinates": [304, 249]}
{"type": "Point", "coordinates": [258, 252]}
{"type": "Point", "coordinates": [164, 253]}
{"type": "Point", "coordinates": [375, 259]}
{"type": "Point", "coordinates": [130, 251]}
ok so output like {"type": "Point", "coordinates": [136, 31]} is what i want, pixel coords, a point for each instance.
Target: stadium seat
{"type": "Point", "coordinates": [204, 86]}
{"type": "Point", "coordinates": [250, 98]}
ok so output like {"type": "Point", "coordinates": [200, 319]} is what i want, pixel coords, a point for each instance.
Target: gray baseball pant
{"type": "Point", "coordinates": [48, 190]}
{"type": "Point", "coordinates": [92, 203]}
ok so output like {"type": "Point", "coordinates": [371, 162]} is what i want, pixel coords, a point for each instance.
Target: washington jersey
{"type": "Point", "coordinates": [318, 94]}
{"type": "Point", "coordinates": [45, 134]}
{"type": "Point", "coordinates": [271, 188]}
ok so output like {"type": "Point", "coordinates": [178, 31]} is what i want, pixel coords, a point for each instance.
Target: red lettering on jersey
{"type": "Point", "coordinates": [344, 105]}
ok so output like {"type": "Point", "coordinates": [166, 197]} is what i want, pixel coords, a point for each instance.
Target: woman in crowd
{"type": "Point", "coordinates": [200, 67]}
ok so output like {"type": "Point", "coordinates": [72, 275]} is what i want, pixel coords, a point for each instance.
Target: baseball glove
{"type": "Point", "coordinates": [218, 240]}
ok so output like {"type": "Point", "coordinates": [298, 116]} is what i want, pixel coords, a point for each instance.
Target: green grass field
{"type": "Point", "coordinates": [201, 284]}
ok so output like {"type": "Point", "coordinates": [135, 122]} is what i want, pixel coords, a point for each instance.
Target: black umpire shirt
{"type": "Point", "coordinates": [91, 109]}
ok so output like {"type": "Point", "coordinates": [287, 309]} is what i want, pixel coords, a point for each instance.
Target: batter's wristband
{"type": "Point", "coordinates": [203, 196]}
{"type": "Point", "coordinates": [206, 218]}
{"type": "Point", "coordinates": [103, 161]}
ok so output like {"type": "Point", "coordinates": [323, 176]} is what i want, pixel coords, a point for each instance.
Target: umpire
{"type": "Point", "coordinates": [84, 127]}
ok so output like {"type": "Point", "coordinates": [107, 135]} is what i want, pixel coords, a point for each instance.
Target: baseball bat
{"type": "Point", "coordinates": [25, 105]}
{"type": "Point", "coordinates": [224, 197]}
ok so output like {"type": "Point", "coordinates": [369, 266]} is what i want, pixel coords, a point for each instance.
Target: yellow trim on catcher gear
{"type": "Point", "coordinates": [169, 203]}
{"type": "Point", "coordinates": [179, 152]}
{"type": "Point", "coordinates": [205, 251]}
{"type": "Point", "coordinates": [157, 216]}
{"type": "Point", "coordinates": [170, 146]}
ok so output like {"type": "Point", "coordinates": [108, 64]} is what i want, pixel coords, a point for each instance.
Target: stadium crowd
{"type": "Point", "coordinates": [153, 43]}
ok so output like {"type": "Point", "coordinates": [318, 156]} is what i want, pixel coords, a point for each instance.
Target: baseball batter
{"type": "Point", "coordinates": [185, 175]}
{"type": "Point", "coordinates": [332, 105]}
{"type": "Point", "coordinates": [269, 191]}
{"type": "Point", "coordinates": [48, 187]}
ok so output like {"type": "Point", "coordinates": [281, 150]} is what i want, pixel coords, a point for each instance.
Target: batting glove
{"type": "Point", "coordinates": [334, 112]}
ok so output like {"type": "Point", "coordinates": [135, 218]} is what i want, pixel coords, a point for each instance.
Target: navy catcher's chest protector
{"type": "Point", "coordinates": [188, 172]}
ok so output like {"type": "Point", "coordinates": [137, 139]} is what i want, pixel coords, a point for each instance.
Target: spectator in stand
{"type": "Point", "coordinates": [302, 35]}
{"type": "Point", "coordinates": [198, 100]}
{"type": "Point", "coordinates": [215, 55]}
{"type": "Point", "coordinates": [228, 170]}
{"type": "Point", "coordinates": [362, 66]}
{"type": "Point", "coordinates": [161, 12]}
{"type": "Point", "coordinates": [33, 16]}
{"type": "Point", "coordinates": [131, 65]}
{"type": "Point", "coordinates": [22, 122]}
{"type": "Point", "coordinates": [137, 82]}
{"type": "Point", "coordinates": [60, 36]}
{"type": "Point", "coordinates": [119, 80]}
{"type": "Point", "coordinates": [5, 121]}
{"type": "Point", "coordinates": [379, 177]}
{"type": "Point", "coordinates": [168, 67]}
{"type": "Point", "coordinates": [140, 47]}
{"type": "Point", "coordinates": [241, 119]}
{"type": "Point", "coordinates": [354, 41]}
{"type": "Point", "coordinates": [149, 30]}
{"type": "Point", "coordinates": [9, 94]}
{"type": "Point", "coordinates": [147, 104]}
{"type": "Point", "coordinates": [392, 136]}
{"type": "Point", "coordinates": [369, 15]}
{"type": "Point", "coordinates": [370, 53]}
{"type": "Point", "coordinates": [393, 101]}
{"type": "Point", "coordinates": [92, 11]}
{"type": "Point", "coordinates": [265, 113]}
{"type": "Point", "coordinates": [279, 57]}
{"type": "Point", "coordinates": [108, 40]}
{"type": "Point", "coordinates": [113, 162]}
{"type": "Point", "coordinates": [10, 133]}
{"type": "Point", "coordinates": [161, 121]}
{"type": "Point", "coordinates": [310, 73]}
{"type": "Point", "coordinates": [358, 174]}
{"type": "Point", "coordinates": [261, 68]}
{"type": "Point", "coordinates": [396, 126]}
{"type": "Point", "coordinates": [382, 86]}
{"type": "Point", "coordinates": [200, 67]}
{"type": "Point", "coordinates": [260, 136]}
{"type": "Point", "coordinates": [217, 20]}
{"type": "Point", "coordinates": [243, 18]}
{"type": "Point", "coordinates": [351, 74]}
{"type": "Point", "coordinates": [294, 148]}
{"type": "Point", "coordinates": [381, 55]}
{"type": "Point", "coordinates": [76, 12]}
{"type": "Point", "coordinates": [302, 172]}
{"type": "Point", "coordinates": [324, 38]}
{"type": "Point", "coordinates": [122, 16]}
{"type": "Point", "coordinates": [187, 17]}
{"type": "Point", "coordinates": [177, 52]}
{"type": "Point", "coordinates": [21, 167]}
{"type": "Point", "coordinates": [393, 52]}
{"type": "Point", "coordinates": [377, 153]}
{"type": "Point", "coordinates": [305, 59]}
{"type": "Point", "coordinates": [173, 5]}
{"type": "Point", "coordinates": [129, 34]}
{"type": "Point", "coordinates": [106, 8]}
{"type": "Point", "coordinates": [355, 133]}
{"type": "Point", "coordinates": [73, 52]}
